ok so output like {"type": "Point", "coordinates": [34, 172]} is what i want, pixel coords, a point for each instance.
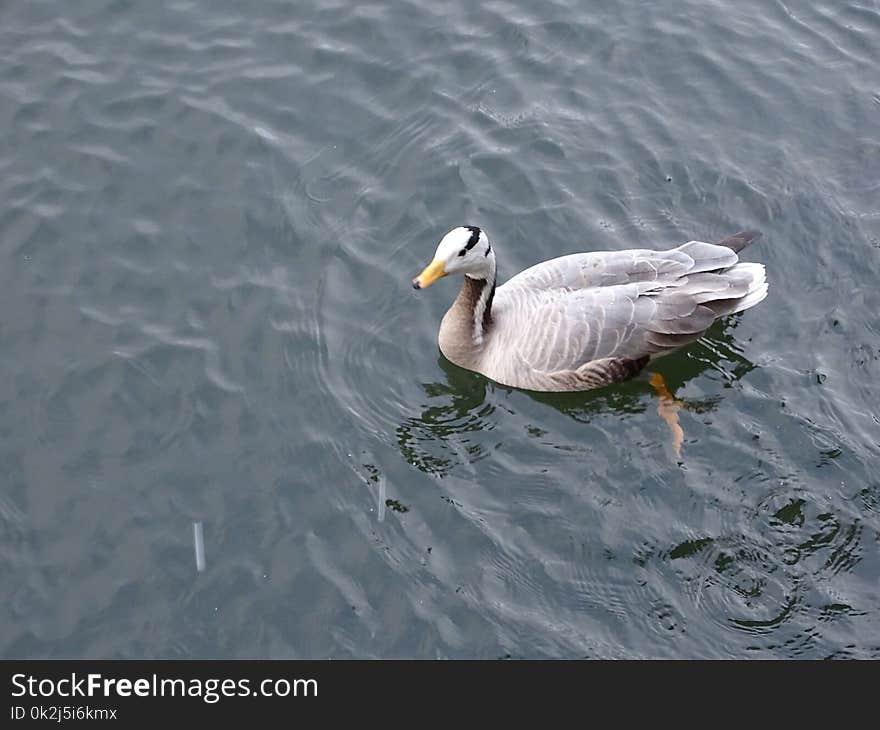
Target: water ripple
{"type": "Point", "coordinates": [209, 219]}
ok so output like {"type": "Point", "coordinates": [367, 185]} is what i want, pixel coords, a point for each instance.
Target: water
{"type": "Point", "coordinates": [210, 213]}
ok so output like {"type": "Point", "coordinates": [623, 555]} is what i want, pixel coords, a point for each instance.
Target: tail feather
{"type": "Point", "coordinates": [738, 241]}
{"type": "Point", "coordinates": [756, 291]}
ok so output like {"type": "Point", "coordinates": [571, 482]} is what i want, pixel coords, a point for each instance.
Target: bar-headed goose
{"type": "Point", "coordinates": [588, 319]}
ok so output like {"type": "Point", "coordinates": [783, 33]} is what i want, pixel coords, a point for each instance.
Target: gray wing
{"type": "Point", "coordinates": [626, 305]}
{"type": "Point", "coordinates": [607, 268]}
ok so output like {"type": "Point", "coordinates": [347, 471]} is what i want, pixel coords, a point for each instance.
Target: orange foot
{"type": "Point", "coordinates": [668, 408]}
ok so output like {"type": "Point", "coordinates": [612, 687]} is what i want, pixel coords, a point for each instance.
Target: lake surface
{"type": "Point", "coordinates": [210, 213]}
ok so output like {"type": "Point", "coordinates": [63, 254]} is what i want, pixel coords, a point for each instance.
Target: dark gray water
{"type": "Point", "coordinates": [209, 216]}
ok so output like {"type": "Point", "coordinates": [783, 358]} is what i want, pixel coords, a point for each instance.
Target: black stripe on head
{"type": "Point", "coordinates": [475, 236]}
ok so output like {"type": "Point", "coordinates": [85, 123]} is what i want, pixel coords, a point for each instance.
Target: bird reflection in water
{"type": "Point", "coordinates": [458, 406]}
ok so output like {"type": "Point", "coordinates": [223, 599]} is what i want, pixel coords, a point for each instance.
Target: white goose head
{"type": "Point", "coordinates": [464, 250]}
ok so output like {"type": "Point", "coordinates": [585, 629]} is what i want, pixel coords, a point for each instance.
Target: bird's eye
{"type": "Point", "coordinates": [462, 252]}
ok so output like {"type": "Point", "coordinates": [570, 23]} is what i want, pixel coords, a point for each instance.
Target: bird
{"type": "Point", "coordinates": [586, 320]}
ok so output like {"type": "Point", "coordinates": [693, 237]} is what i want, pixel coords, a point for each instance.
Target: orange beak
{"type": "Point", "coordinates": [433, 271]}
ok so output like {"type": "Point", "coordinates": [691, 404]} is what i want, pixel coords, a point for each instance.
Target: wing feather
{"type": "Point", "coordinates": [615, 306]}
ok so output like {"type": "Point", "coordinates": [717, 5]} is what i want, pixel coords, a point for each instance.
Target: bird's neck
{"type": "Point", "coordinates": [469, 319]}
